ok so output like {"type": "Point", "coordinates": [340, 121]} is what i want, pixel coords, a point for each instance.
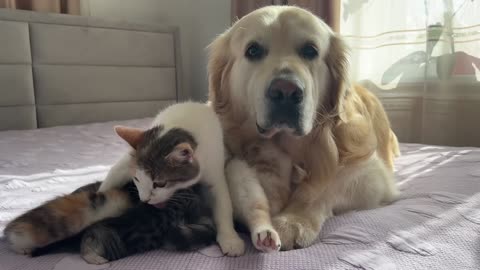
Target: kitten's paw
{"type": "Point", "coordinates": [101, 244]}
{"type": "Point", "coordinates": [266, 239]}
{"type": "Point", "coordinates": [231, 244]}
{"type": "Point", "coordinates": [92, 251]}
{"type": "Point", "coordinates": [94, 258]}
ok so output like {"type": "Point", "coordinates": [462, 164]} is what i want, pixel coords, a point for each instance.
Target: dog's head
{"type": "Point", "coordinates": [281, 66]}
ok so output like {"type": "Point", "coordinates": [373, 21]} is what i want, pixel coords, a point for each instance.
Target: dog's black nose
{"type": "Point", "coordinates": [282, 91]}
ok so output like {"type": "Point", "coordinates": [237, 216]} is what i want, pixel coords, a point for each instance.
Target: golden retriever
{"type": "Point", "coordinates": [279, 77]}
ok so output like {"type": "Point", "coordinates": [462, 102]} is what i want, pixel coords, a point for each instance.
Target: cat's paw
{"type": "Point", "coordinates": [93, 258]}
{"type": "Point", "coordinates": [231, 244]}
{"type": "Point", "coordinates": [101, 244]}
{"type": "Point", "coordinates": [266, 239]}
{"type": "Point", "coordinates": [91, 249]}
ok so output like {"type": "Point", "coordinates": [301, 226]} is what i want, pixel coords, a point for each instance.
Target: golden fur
{"type": "Point", "coordinates": [349, 131]}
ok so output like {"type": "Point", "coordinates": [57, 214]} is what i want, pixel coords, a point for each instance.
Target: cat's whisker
{"type": "Point", "coordinates": [173, 201]}
{"type": "Point", "coordinates": [184, 196]}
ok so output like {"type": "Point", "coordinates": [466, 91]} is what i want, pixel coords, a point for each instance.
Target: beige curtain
{"type": "Point", "coordinates": [423, 60]}
{"type": "Point", "coordinates": [242, 7]}
{"type": "Point", "coordinates": [52, 6]}
{"type": "Point", "coordinates": [328, 10]}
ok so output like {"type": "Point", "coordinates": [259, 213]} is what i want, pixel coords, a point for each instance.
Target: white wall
{"type": "Point", "coordinates": [199, 21]}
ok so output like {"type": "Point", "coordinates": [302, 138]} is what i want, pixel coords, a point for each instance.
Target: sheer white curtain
{"type": "Point", "coordinates": [422, 57]}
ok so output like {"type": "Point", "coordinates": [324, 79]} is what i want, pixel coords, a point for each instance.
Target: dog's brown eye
{"type": "Point", "coordinates": [308, 51]}
{"type": "Point", "coordinates": [255, 51]}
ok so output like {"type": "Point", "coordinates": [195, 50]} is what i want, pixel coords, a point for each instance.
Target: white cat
{"type": "Point", "coordinates": [201, 122]}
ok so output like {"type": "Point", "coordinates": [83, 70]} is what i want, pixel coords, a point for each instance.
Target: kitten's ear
{"type": "Point", "coordinates": [132, 136]}
{"type": "Point", "coordinates": [181, 153]}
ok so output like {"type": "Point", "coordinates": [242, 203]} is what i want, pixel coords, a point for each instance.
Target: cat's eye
{"type": "Point", "coordinates": [185, 153]}
{"type": "Point", "coordinates": [308, 51]}
{"type": "Point", "coordinates": [159, 185]}
{"type": "Point", "coordinates": [255, 52]}
{"type": "Point", "coordinates": [135, 179]}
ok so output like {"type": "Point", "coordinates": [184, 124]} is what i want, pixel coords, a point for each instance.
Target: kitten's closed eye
{"type": "Point", "coordinates": [185, 153]}
{"type": "Point", "coordinates": [159, 185]}
{"type": "Point", "coordinates": [135, 179]}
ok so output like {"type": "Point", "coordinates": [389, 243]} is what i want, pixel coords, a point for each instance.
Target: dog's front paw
{"type": "Point", "coordinates": [231, 244]}
{"type": "Point", "coordinates": [266, 239]}
{"type": "Point", "coordinates": [294, 231]}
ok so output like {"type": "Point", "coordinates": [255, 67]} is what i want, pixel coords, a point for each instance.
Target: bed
{"type": "Point", "coordinates": [49, 148]}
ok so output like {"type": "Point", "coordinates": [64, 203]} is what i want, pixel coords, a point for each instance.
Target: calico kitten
{"type": "Point", "coordinates": [63, 217]}
{"type": "Point", "coordinates": [184, 223]}
{"type": "Point", "coordinates": [178, 152]}
{"type": "Point", "coordinates": [197, 136]}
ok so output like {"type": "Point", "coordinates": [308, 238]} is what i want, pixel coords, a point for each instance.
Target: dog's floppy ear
{"type": "Point", "coordinates": [218, 69]}
{"type": "Point", "coordinates": [337, 62]}
{"type": "Point", "coordinates": [353, 139]}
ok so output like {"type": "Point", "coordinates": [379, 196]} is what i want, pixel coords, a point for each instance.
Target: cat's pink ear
{"type": "Point", "coordinates": [181, 153]}
{"type": "Point", "coordinates": [132, 136]}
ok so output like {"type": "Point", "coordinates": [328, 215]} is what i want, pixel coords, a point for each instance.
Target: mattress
{"type": "Point", "coordinates": [435, 224]}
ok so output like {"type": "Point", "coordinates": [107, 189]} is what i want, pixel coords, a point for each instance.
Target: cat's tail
{"type": "Point", "coordinates": [63, 217]}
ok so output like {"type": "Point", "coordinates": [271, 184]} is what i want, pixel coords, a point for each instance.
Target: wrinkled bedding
{"type": "Point", "coordinates": [435, 224]}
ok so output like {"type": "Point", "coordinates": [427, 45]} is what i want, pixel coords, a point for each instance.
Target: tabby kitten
{"type": "Point", "coordinates": [184, 223]}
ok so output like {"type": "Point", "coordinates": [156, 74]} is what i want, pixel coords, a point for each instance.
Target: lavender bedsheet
{"type": "Point", "coordinates": [434, 225]}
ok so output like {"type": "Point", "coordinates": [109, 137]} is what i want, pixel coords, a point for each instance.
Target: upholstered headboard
{"type": "Point", "coordinates": [63, 69]}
